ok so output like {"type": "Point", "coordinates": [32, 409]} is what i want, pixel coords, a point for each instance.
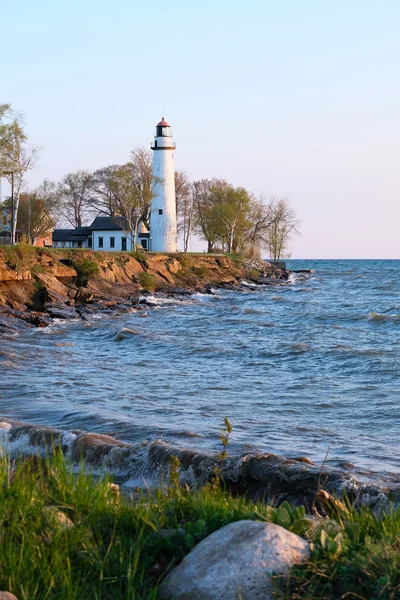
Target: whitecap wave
{"type": "Point", "coordinates": [373, 316]}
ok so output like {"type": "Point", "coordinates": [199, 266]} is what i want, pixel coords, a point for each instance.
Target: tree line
{"type": "Point", "coordinates": [228, 218]}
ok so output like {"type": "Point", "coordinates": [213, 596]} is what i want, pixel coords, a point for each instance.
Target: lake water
{"type": "Point", "coordinates": [310, 368]}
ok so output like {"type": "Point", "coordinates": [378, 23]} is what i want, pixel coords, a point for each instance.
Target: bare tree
{"type": "Point", "coordinates": [141, 170]}
{"type": "Point", "coordinates": [184, 207]}
{"type": "Point", "coordinates": [260, 222]}
{"type": "Point", "coordinates": [101, 195]}
{"type": "Point", "coordinates": [16, 159]}
{"type": "Point", "coordinates": [34, 216]}
{"type": "Point", "coordinates": [74, 191]}
{"type": "Point", "coordinates": [126, 198]}
{"type": "Point", "coordinates": [284, 224]}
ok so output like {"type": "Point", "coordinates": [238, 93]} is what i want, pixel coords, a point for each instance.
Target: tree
{"type": "Point", "coordinates": [73, 193]}
{"type": "Point", "coordinates": [34, 216]}
{"type": "Point", "coordinates": [16, 159]}
{"type": "Point", "coordinates": [184, 207]}
{"type": "Point", "coordinates": [101, 195]}
{"type": "Point", "coordinates": [203, 203]}
{"type": "Point", "coordinates": [126, 197]}
{"type": "Point", "coordinates": [260, 222]}
{"type": "Point", "coordinates": [283, 224]}
{"type": "Point", "coordinates": [231, 213]}
{"type": "Point", "coordinates": [140, 167]}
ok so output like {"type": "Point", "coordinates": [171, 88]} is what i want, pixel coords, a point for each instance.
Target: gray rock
{"type": "Point", "coordinates": [234, 562]}
{"type": "Point", "coordinates": [60, 311]}
{"type": "Point", "coordinates": [12, 325]}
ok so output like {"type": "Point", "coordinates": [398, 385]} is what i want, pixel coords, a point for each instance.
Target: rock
{"type": "Point", "coordinates": [17, 306]}
{"type": "Point", "coordinates": [7, 596]}
{"type": "Point", "coordinates": [12, 325]}
{"type": "Point", "coordinates": [236, 561]}
{"type": "Point", "coordinates": [62, 311]}
{"type": "Point", "coordinates": [177, 291]}
{"type": "Point", "coordinates": [174, 266]}
{"type": "Point", "coordinates": [56, 291]}
{"type": "Point", "coordinates": [84, 295]}
{"type": "Point", "coordinates": [58, 518]}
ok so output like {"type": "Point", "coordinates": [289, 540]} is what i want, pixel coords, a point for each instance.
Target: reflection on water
{"type": "Point", "coordinates": [297, 374]}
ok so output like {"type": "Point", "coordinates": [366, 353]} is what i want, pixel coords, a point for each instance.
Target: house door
{"type": "Point", "coordinates": [123, 243]}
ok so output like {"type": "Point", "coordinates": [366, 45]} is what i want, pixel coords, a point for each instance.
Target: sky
{"type": "Point", "coordinates": [292, 98]}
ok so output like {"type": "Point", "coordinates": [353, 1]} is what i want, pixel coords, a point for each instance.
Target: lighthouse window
{"type": "Point", "coordinates": [160, 211]}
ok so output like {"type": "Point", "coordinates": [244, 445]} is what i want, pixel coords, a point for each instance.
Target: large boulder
{"type": "Point", "coordinates": [236, 561]}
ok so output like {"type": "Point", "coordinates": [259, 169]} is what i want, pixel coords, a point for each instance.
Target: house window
{"type": "Point", "coordinates": [4, 220]}
{"type": "Point", "coordinates": [144, 244]}
{"type": "Point", "coordinates": [101, 242]}
{"type": "Point", "coordinates": [123, 243]}
{"type": "Point", "coordinates": [89, 242]}
{"type": "Point", "coordinates": [160, 211]}
{"type": "Point", "coordinates": [112, 242]}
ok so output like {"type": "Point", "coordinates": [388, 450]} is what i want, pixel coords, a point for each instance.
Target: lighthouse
{"type": "Point", "coordinates": [163, 204]}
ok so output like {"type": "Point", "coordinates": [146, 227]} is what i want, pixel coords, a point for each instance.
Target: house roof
{"type": "Point", "coordinates": [79, 234]}
{"type": "Point", "coordinates": [109, 224]}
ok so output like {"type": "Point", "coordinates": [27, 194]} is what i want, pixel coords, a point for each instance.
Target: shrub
{"type": "Point", "coordinates": [253, 274]}
{"type": "Point", "coordinates": [200, 271]}
{"type": "Point", "coordinates": [147, 281]}
{"type": "Point", "coordinates": [85, 269]}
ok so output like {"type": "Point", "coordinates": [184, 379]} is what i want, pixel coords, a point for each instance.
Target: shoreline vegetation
{"type": "Point", "coordinates": [39, 284]}
{"type": "Point", "coordinates": [71, 535]}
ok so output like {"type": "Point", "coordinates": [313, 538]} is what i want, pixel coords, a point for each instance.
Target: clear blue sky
{"type": "Point", "coordinates": [297, 98]}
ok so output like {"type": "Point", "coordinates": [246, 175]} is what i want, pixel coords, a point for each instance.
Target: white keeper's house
{"type": "Point", "coordinates": [112, 234]}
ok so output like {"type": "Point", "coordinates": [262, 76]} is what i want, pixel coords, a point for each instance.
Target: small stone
{"type": "Point", "coordinates": [7, 596]}
{"type": "Point", "coordinates": [59, 518]}
{"type": "Point", "coordinates": [237, 561]}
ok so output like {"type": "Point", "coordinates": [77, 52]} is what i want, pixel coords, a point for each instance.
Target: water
{"type": "Point", "coordinates": [310, 368]}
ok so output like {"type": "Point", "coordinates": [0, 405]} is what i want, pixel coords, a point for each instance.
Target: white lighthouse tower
{"type": "Point", "coordinates": [163, 204]}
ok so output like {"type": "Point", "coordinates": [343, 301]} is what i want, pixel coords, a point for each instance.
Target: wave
{"type": "Point", "coordinates": [124, 333]}
{"type": "Point", "coordinates": [259, 476]}
{"type": "Point", "coordinates": [158, 301]}
{"type": "Point", "coordinates": [373, 316]}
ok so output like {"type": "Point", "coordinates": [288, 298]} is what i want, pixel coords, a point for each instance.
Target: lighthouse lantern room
{"type": "Point", "coordinates": [163, 204]}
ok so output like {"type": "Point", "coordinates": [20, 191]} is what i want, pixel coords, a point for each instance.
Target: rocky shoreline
{"type": "Point", "coordinates": [38, 286]}
{"type": "Point", "coordinates": [258, 476]}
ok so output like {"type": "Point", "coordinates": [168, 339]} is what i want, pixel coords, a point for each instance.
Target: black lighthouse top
{"type": "Point", "coordinates": [163, 129]}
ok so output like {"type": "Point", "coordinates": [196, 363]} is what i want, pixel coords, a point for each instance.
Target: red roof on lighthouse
{"type": "Point", "coordinates": [163, 123]}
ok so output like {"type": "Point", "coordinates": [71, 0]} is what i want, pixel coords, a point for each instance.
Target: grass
{"type": "Point", "coordinates": [119, 547]}
{"type": "Point", "coordinates": [364, 565]}
{"type": "Point", "coordinates": [116, 547]}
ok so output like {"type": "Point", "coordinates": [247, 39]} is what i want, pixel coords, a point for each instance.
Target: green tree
{"type": "Point", "coordinates": [206, 225]}
{"type": "Point", "coordinates": [231, 214]}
